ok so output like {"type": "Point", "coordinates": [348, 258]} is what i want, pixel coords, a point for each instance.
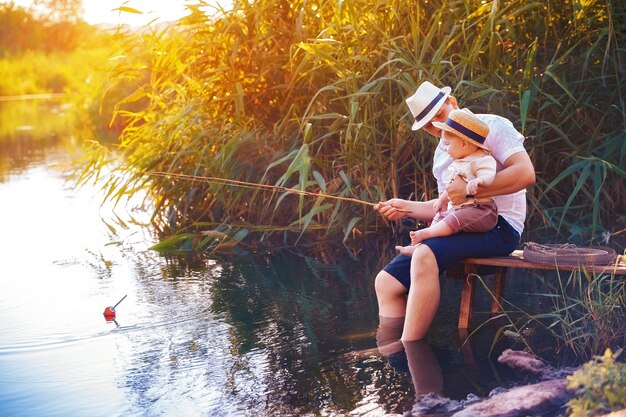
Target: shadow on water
{"type": "Point", "coordinates": [277, 334]}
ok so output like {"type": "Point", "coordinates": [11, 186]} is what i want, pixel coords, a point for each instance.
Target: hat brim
{"type": "Point", "coordinates": [418, 124]}
{"type": "Point", "coordinates": [448, 128]}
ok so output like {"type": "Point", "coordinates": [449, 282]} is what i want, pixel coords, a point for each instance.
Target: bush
{"type": "Point", "coordinates": [600, 386]}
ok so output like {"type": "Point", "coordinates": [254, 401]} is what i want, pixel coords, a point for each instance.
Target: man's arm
{"type": "Point", "coordinates": [420, 210]}
{"type": "Point", "coordinates": [517, 174]}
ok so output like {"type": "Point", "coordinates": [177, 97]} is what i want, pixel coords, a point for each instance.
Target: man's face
{"type": "Point", "coordinates": [440, 116]}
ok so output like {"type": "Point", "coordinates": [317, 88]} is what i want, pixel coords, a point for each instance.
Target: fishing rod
{"type": "Point", "coordinates": [245, 184]}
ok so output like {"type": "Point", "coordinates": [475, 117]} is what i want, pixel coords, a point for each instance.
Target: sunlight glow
{"type": "Point", "coordinates": [98, 11]}
{"type": "Point", "coordinates": [101, 11]}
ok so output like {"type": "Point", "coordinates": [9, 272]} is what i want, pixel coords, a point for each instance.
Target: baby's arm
{"type": "Point", "coordinates": [485, 173]}
{"type": "Point", "coordinates": [441, 203]}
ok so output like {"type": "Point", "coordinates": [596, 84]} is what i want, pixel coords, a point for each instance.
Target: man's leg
{"type": "Point", "coordinates": [388, 335]}
{"type": "Point", "coordinates": [424, 293]}
{"type": "Point", "coordinates": [391, 295]}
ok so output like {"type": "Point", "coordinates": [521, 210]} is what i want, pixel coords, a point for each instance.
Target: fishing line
{"type": "Point", "coordinates": [245, 184]}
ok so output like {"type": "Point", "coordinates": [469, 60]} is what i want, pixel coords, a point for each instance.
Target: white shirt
{"type": "Point", "coordinates": [504, 141]}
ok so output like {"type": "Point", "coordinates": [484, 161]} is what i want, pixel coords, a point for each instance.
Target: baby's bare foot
{"type": "Point", "coordinates": [419, 235]}
{"type": "Point", "coordinates": [405, 250]}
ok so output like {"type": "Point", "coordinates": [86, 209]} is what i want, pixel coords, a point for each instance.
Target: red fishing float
{"type": "Point", "coordinates": [109, 312]}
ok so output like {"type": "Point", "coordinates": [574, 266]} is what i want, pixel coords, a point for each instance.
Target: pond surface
{"type": "Point", "coordinates": [273, 335]}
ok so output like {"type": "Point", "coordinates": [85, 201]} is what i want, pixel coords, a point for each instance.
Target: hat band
{"type": "Point", "coordinates": [467, 132]}
{"type": "Point", "coordinates": [430, 106]}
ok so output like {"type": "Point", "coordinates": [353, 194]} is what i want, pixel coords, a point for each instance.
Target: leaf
{"type": "Point", "coordinates": [561, 84]}
{"type": "Point", "coordinates": [350, 226]}
{"type": "Point", "coordinates": [511, 333]}
{"type": "Point", "coordinates": [524, 108]}
{"type": "Point", "coordinates": [582, 178]}
{"type": "Point", "coordinates": [171, 242]}
{"type": "Point", "coordinates": [320, 180]}
{"type": "Point", "coordinates": [306, 220]}
{"type": "Point", "coordinates": [345, 179]}
{"type": "Point", "coordinates": [214, 234]}
{"type": "Point", "coordinates": [126, 9]}
{"type": "Point", "coordinates": [240, 235]}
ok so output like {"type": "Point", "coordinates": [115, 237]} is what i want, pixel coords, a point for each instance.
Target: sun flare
{"type": "Point", "coordinates": [108, 11]}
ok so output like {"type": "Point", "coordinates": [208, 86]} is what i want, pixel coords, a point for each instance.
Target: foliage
{"type": "Point", "coordinates": [59, 10]}
{"type": "Point", "coordinates": [600, 386]}
{"type": "Point", "coordinates": [33, 72]}
{"type": "Point", "coordinates": [59, 30]}
{"type": "Point", "coordinates": [311, 96]}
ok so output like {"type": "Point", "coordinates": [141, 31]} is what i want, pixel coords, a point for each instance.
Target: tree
{"type": "Point", "coordinates": [19, 30]}
{"type": "Point", "coordinates": [59, 10]}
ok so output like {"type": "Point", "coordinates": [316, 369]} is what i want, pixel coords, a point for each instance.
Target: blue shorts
{"type": "Point", "coordinates": [448, 250]}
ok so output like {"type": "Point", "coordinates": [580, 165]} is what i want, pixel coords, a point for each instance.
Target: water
{"type": "Point", "coordinates": [272, 335]}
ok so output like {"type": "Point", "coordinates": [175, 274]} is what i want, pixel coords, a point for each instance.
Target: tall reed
{"type": "Point", "coordinates": [311, 96]}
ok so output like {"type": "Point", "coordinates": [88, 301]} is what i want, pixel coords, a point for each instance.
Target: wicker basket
{"type": "Point", "coordinates": [568, 254]}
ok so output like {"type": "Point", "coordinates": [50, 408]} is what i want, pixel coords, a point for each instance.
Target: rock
{"type": "Point", "coordinates": [521, 401]}
{"type": "Point", "coordinates": [548, 395]}
{"type": "Point", "coordinates": [526, 362]}
{"type": "Point", "coordinates": [523, 361]}
{"type": "Point", "coordinates": [434, 404]}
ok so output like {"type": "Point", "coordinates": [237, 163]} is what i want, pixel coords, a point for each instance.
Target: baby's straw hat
{"type": "Point", "coordinates": [426, 102]}
{"type": "Point", "coordinates": [467, 126]}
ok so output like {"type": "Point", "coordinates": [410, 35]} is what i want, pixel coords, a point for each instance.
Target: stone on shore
{"type": "Point", "coordinates": [521, 401]}
{"type": "Point", "coordinates": [523, 361]}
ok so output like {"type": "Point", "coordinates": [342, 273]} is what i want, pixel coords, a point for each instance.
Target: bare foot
{"type": "Point", "coordinates": [406, 250]}
{"type": "Point", "coordinates": [420, 235]}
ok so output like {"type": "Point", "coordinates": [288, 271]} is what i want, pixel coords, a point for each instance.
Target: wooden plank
{"type": "Point", "coordinates": [515, 260]}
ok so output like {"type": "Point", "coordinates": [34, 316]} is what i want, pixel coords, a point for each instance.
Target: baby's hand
{"type": "Point", "coordinates": [472, 186]}
{"type": "Point", "coordinates": [412, 234]}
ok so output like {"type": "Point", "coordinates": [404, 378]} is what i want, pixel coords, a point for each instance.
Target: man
{"type": "Point", "coordinates": [409, 286]}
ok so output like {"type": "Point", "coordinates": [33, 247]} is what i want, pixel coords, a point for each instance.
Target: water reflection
{"type": "Point", "coordinates": [279, 334]}
{"type": "Point", "coordinates": [29, 129]}
{"type": "Point", "coordinates": [415, 357]}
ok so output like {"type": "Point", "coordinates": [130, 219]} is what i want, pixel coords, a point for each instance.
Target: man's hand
{"type": "Point", "coordinates": [457, 190]}
{"type": "Point", "coordinates": [389, 209]}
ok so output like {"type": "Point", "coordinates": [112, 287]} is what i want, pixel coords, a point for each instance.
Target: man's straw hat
{"type": "Point", "coordinates": [426, 102]}
{"type": "Point", "coordinates": [467, 126]}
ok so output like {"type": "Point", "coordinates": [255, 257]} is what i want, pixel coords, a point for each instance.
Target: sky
{"type": "Point", "coordinates": [99, 11]}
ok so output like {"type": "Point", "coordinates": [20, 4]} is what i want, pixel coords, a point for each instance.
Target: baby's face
{"type": "Point", "coordinates": [455, 146]}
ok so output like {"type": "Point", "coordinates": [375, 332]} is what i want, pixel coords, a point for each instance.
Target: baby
{"type": "Point", "coordinates": [463, 137]}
